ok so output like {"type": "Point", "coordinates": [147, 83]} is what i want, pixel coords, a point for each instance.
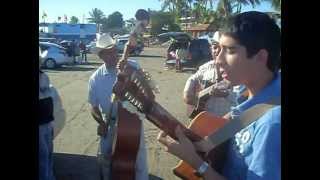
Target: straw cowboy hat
{"type": "Point", "coordinates": [104, 41]}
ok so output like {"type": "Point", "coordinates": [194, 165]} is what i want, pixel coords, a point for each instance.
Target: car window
{"type": "Point", "coordinates": [43, 47]}
{"type": "Point", "coordinates": [122, 41]}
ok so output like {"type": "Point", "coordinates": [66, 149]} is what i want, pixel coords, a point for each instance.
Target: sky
{"type": "Point", "coordinates": [81, 8]}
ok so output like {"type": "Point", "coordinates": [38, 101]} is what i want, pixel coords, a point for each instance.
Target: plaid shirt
{"type": "Point", "coordinates": [205, 76]}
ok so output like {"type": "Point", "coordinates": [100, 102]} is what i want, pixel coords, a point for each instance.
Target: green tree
{"type": "Point", "coordinates": [162, 22]}
{"type": "Point", "coordinates": [203, 10]}
{"type": "Point", "coordinates": [96, 16]}
{"type": "Point", "coordinates": [115, 20]}
{"type": "Point", "coordinates": [276, 4]}
{"type": "Point", "coordinates": [74, 20]}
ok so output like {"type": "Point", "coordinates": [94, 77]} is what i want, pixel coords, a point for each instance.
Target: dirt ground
{"type": "Point", "coordinates": [76, 146]}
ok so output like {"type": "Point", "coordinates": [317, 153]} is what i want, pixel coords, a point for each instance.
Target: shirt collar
{"type": "Point", "coordinates": [107, 71]}
{"type": "Point", "coordinates": [273, 89]}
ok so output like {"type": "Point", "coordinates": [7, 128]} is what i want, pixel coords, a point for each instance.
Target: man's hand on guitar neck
{"type": "Point", "coordinates": [220, 89]}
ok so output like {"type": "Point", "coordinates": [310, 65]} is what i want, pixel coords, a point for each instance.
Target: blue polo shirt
{"type": "Point", "coordinates": [254, 153]}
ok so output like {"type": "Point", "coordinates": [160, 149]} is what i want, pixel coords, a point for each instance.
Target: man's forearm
{"type": "Point", "coordinates": [190, 91]}
{"type": "Point", "coordinates": [189, 99]}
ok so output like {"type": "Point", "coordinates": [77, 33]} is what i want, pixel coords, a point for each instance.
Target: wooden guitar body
{"type": "Point", "coordinates": [125, 147]}
{"type": "Point", "coordinates": [204, 124]}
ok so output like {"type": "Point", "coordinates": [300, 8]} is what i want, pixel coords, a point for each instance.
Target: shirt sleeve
{"type": "Point", "coordinates": [189, 88]}
{"type": "Point", "coordinates": [92, 97]}
{"type": "Point", "coordinates": [266, 158]}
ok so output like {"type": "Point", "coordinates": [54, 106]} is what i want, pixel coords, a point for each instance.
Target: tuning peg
{"type": "Point", "coordinates": [138, 83]}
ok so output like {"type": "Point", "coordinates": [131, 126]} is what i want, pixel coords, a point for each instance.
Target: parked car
{"type": "Point", "coordinates": [120, 44]}
{"type": "Point", "coordinates": [89, 47]}
{"type": "Point", "coordinates": [198, 51]}
{"type": "Point", "coordinates": [174, 35]}
{"type": "Point", "coordinates": [46, 39]}
{"type": "Point", "coordinates": [67, 44]}
{"type": "Point", "coordinates": [53, 55]}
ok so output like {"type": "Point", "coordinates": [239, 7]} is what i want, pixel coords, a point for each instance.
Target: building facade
{"type": "Point", "coordinates": [66, 31]}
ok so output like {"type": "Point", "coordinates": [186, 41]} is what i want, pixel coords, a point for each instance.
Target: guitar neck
{"type": "Point", "coordinates": [205, 92]}
{"type": "Point", "coordinates": [166, 122]}
{"type": "Point", "coordinates": [127, 49]}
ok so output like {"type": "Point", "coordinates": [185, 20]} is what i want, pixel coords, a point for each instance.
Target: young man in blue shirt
{"type": "Point", "coordinates": [249, 56]}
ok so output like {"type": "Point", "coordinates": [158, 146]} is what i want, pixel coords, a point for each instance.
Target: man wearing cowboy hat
{"type": "Point", "coordinates": [104, 111]}
{"type": "Point", "coordinates": [203, 78]}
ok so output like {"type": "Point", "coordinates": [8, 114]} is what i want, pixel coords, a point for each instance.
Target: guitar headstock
{"type": "Point", "coordinates": [135, 85]}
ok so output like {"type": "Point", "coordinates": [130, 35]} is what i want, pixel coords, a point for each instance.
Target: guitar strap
{"type": "Point", "coordinates": [245, 119]}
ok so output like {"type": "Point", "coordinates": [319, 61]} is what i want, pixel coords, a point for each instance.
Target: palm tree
{"type": "Point", "coordinates": [74, 20]}
{"type": "Point", "coordinates": [167, 4]}
{"type": "Point", "coordinates": [96, 16]}
{"type": "Point", "coordinates": [276, 4]}
{"type": "Point", "coordinates": [227, 6]}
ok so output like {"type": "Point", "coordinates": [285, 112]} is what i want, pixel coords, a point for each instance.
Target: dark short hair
{"type": "Point", "coordinates": [256, 31]}
{"type": "Point", "coordinates": [142, 14]}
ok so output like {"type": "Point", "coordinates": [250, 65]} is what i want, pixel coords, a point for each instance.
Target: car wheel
{"type": "Point", "coordinates": [50, 63]}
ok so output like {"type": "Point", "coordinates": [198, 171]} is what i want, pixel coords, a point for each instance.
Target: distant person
{"type": "Point", "coordinates": [83, 51]}
{"type": "Point", "coordinates": [181, 54]}
{"type": "Point", "coordinates": [73, 50]}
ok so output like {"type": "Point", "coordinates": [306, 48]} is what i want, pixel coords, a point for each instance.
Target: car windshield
{"type": "Point", "coordinates": [52, 44]}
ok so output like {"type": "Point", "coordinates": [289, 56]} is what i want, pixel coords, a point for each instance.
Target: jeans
{"type": "Point", "coordinates": [84, 56]}
{"type": "Point", "coordinates": [45, 152]}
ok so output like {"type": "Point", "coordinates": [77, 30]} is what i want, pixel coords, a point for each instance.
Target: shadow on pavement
{"type": "Point", "coordinates": [75, 167]}
{"type": "Point", "coordinates": [79, 167]}
{"type": "Point", "coordinates": [72, 68]}
{"type": "Point", "coordinates": [153, 177]}
{"type": "Point", "coordinates": [189, 70]}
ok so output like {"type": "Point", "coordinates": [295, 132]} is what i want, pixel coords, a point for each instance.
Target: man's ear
{"type": "Point", "coordinates": [262, 56]}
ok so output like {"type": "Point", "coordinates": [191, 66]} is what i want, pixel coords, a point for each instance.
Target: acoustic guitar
{"type": "Point", "coordinates": [126, 139]}
{"type": "Point", "coordinates": [202, 97]}
{"type": "Point", "coordinates": [133, 90]}
{"type": "Point", "coordinates": [125, 146]}
{"type": "Point", "coordinates": [218, 88]}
